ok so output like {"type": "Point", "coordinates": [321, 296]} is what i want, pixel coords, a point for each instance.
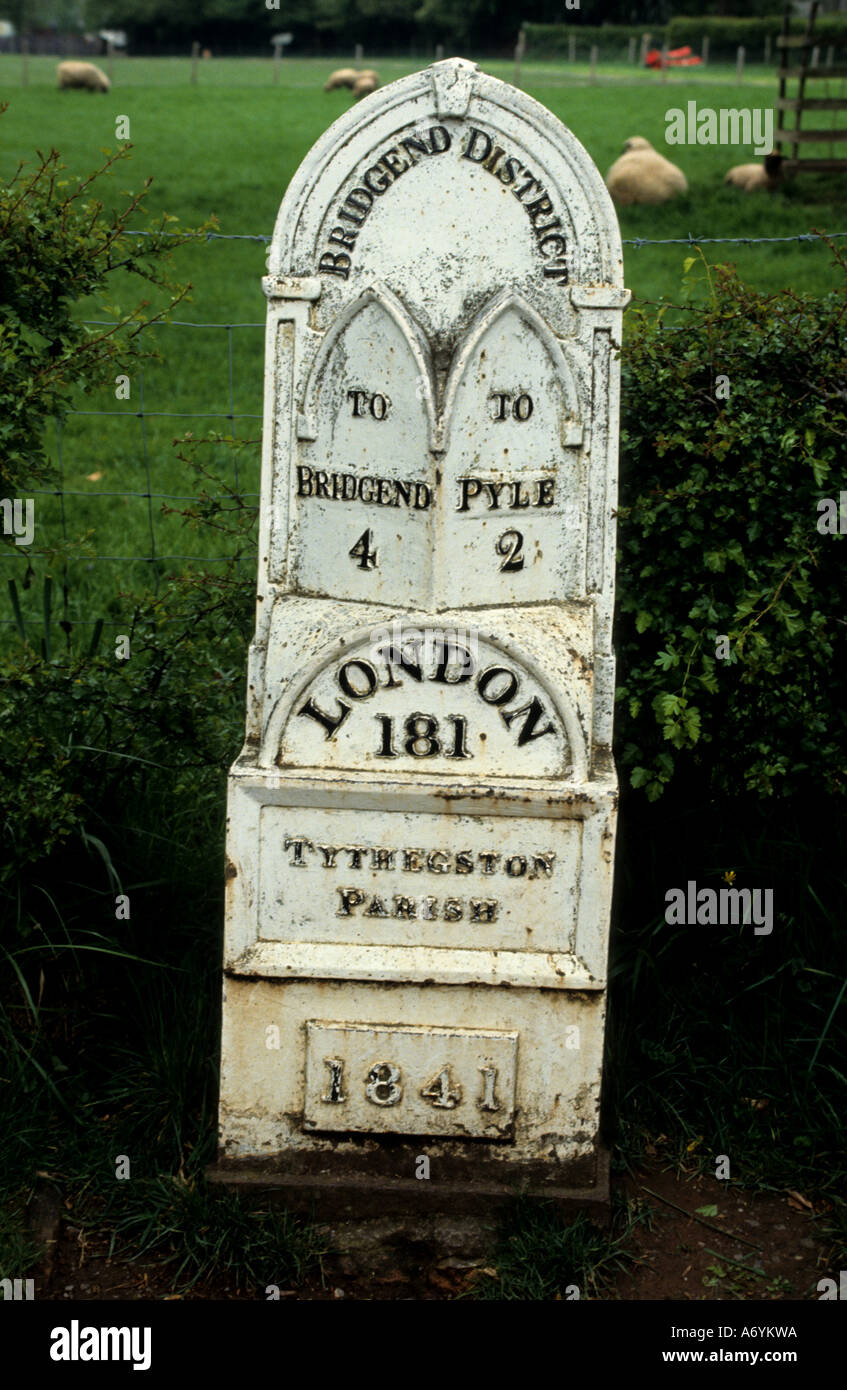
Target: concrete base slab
{"type": "Point", "coordinates": [375, 1224]}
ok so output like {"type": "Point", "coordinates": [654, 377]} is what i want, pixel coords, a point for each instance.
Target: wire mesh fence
{"type": "Point", "coordinates": [136, 442]}
{"type": "Point", "coordinates": [98, 541]}
{"type": "Point", "coordinates": [589, 60]}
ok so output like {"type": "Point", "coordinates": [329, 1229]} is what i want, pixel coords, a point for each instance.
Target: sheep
{"type": "Point", "coordinates": [342, 77]}
{"type": "Point", "coordinates": [750, 177]}
{"type": "Point", "coordinates": [641, 175]}
{"type": "Point", "coordinates": [85, 75]}
{"type": "Point", "coordinates": [365, 83]}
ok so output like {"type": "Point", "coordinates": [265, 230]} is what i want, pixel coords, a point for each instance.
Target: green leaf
{"type": "Point", "coordinates": [820, 470]}
{"type": "Point", "coordinates": [666, 660]}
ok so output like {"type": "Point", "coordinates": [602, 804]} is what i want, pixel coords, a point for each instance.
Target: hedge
{"type": "Point", "coordinates": [553, 40]}
{"type": "Point", "coordinates": [725, 34]}
{"type": "Point", "coordinates": [731, 641]}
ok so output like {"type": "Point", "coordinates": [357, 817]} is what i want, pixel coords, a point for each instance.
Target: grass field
{"type": "Point", "coordinates": [229, 146]}
{"type": "Point", "coordinates": [108, 1026]}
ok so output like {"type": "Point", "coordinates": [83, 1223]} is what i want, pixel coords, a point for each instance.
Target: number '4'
{"type": "Point", "coordinates": [441, 1092]}
{"type": "Point", "coordinates": [364, 552]}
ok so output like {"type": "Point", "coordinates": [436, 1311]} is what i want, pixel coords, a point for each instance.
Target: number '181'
{"type": "Point", "coordinates": [422, 737]}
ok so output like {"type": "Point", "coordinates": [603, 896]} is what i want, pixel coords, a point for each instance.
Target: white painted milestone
{"type": "Point", "coordinates": [421, 822]}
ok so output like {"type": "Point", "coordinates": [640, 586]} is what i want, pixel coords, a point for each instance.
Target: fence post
{"type": "Point", "coordinates": [592, 75]}
{"type": "Point", "coordinates": [830, 55]}
{"type": "Point", "coordinates": [642, 55]}
{"type": "Point", "coordinates": [782, 67]}
{"type": "Point", "coordinates": [665, 61]}
{"type": "Point", "coordinates": [359, 54]}
{"type": "Point", "coordinates": [572, 48]}
{"type": "Point", "coordinates": [705, 50]}
{"type": "Point", "coordinates": [110, 60]}
{"type": "Point", "coordinates": [439, 52]}
{"type": "Point", "coordinates": [195, 56]}
{"type": "Point", "coordinates": [767, 48]}
{"type": "Point", "coordinates": [520, 48]}
{"type": "Point", "coordinates": [630, 57]}
{"type": "Point", "coordinates": [806, 64]}
{"type": "Point", "coordinates": [739, 64]}
{"type": "Point", "coordinates": [24, 62]}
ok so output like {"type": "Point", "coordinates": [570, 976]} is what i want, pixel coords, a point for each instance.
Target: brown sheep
{"type": "Point", "coordinates": [365, 83]}
{"type": "Point", "coordinates": [750, 177]}
{"type": "Point", "coordinates": [641, 175]}
{"type": "Point", "coordinates": [342, 77]}
{"type": "Point", "coordinates": [85, 75]}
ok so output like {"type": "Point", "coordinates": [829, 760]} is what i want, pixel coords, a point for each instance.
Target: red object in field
{"type": "Point", "coordinates": [675, 58]}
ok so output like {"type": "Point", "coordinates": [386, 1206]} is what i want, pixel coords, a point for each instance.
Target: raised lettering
{"type": "Point", "coordinates": [344, 678]}
{"type": "Point", "coordinates": [533, 712]}
{"type": "Point", "coordinates": [329, 722]}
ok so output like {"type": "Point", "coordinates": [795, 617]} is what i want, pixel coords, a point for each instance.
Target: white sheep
{"type": "Point", "coordinates": [365, 83]}
{"type": "Point", "coordinates": [342, 77]}
{"type": "Point", "coordinates": [751, 177]}
{"type": "Point", "coordinates": [85, 75]}
{"type": "Point", "coordinates": [641, 175]}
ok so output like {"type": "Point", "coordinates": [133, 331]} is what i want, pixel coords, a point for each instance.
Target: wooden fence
{"type": "Point", "coordinates": [800, 61]}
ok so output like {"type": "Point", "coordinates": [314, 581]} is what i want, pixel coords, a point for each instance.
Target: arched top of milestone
{"type": "Point", "coordinates": [455, 93]}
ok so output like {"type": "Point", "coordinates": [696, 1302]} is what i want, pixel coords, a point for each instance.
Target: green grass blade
{"type": "Point", "coordinates": [832, 1013]}
{"type": "Point", "coordinates": [48, 600]}
{"type": "Point", "coordinates": [16, 609]}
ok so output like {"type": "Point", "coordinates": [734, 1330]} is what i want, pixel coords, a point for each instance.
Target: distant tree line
{"type": "Point", "coordinates": [231, 26]}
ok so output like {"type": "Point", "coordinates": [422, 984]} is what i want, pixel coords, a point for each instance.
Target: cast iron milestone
{"type": "Point", "coordinates": [421, 822]}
